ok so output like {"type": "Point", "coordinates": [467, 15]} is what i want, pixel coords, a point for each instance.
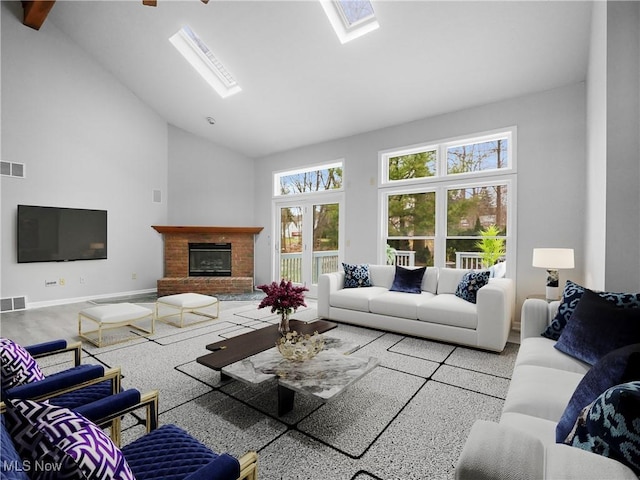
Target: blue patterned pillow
{"type": "Point", "coordinates": [356, 276]}
{"type": "Point", "coordinates": [408, 280]}
{"type": "Point", "coordinates": [18, 366]}
{"type": "Point", "coordinates": [616, 367]}
{"type": "Point", "coordinates": [571, 295]}
{"type": "Point", "coordinates": [470, 284]}
{"type": "Point", "coordinates": [610, 426]}
{"type": "Point", "coordinates": [66, 443]}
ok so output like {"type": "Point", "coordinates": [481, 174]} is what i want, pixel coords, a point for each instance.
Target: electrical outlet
{"type": "Point", "coordinates": [134, 276]}
{"type": "Point", "coordinates": [61, 282]}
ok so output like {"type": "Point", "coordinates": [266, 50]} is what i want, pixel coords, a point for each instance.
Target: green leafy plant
{"type": "Point", "coordinates": [391, 255]}
{"type": "Point", "coordinates": [491, 246]}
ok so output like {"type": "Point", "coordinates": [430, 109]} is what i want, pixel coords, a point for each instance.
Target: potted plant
{"type": "Point", "coordinates": [491, 246]}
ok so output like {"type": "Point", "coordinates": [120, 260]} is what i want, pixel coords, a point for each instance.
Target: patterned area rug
{"type": "Point", "coordinates": [407, 419]}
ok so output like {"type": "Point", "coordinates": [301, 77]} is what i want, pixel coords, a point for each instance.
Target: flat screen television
{"type": "Point", "coordinates": [53, 234]}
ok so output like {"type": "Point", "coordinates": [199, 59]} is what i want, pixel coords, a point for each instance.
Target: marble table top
{"type": "Point", "coordinates": [324, 376]}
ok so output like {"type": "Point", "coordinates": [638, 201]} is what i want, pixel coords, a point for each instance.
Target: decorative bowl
{"type": "Point", "coordinates": [297, 348]}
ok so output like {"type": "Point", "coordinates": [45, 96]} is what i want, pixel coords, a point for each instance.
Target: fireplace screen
{"type": "Point", "coordinates": [209, 259]}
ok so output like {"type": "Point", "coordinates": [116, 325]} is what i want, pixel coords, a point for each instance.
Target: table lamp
{"type": "Point", "coordinates": [553, 259]}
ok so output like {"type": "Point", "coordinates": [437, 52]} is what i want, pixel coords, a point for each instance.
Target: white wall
{"type": "Point", "coordinates": [551, 176]}
{"type": "Point", "coordinates": [87, 142]}
{"type": "Point", "coordinates": [208, 184]}
{"type": "Point", "coordinates": [594, 258]}
{"type": "Point", "coordinates": [623, 147]}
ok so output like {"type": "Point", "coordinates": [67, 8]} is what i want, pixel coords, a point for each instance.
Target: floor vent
{"type": "Point", "coordinates": [11, 304]}
{"type": "Point", "coordinates": [12, 169]}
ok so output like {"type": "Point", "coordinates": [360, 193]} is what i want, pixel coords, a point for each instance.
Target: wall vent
{"type": "Point", "coordinates": [11, 304]}
{"type": "Point", "coordinates": [12, 169]}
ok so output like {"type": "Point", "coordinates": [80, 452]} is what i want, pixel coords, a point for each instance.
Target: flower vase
{"type": "Point", "coordinates": [283, 328]}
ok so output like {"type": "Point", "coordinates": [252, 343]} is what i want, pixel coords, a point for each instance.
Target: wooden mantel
{"type": "Point", "coordinates": [205, 229]}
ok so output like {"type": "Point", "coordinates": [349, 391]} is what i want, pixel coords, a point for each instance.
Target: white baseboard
{"type": "Point", "coordinates": [65, 301]}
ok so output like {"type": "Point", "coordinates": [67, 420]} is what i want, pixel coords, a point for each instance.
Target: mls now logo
{"type": "Point", "coordinates": [29, 466]}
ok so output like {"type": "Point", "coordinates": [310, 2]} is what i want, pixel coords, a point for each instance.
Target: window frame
{"type": "Point", "coordinates": [442, 182]}
{"type": "Point", "coordinates": [277, 175]}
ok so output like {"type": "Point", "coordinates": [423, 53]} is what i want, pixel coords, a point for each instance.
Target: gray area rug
{"type": "Point", "coordinates": [407, 419]}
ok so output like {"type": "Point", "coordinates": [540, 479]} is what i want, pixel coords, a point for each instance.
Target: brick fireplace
{"type": "Point", "coordinates": [176, 259]}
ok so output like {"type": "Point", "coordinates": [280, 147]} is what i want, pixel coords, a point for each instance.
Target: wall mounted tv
{"type": "Point", "coordinates": [52, 234]}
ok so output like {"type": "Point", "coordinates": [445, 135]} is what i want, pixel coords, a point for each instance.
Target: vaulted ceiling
{"type": "Point", "coordinates": [301, 86]}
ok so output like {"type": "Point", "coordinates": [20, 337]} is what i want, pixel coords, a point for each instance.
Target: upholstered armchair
{"type": "Point", "coordinates": [53, 437]}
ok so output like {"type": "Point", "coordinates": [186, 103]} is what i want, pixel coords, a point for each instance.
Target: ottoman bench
{"type": "Point", "coordinates": [112, 316]}
{"type": "Point", "coordinates": [186, 303]}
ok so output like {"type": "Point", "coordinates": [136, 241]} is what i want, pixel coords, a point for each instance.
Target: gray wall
{"type": "Point", "coordinates": [87, 142]}
{"type": "Point", "coordinates": [550, 187]}
{"type": "Point", "coordinates": [208, 184]}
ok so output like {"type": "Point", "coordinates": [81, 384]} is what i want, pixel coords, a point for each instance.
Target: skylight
{"type": "Point", "coordinates": [200, 56]}
{"type": "Point", "coordinates": [350, 18]}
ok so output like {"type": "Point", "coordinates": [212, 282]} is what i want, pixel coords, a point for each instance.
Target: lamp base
{"type": "Point", "coordinates": [552, 293]}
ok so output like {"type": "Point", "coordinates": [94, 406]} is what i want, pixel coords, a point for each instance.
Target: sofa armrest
{"type": "Point", "coordinates": [498, 452]}
{"type": "Point", "coordinates": [327, 284]}
{"type": "Point", "coordinates": [536, 316]}
{"type": "Point", "coordinates": [571, 463]}
{"type": "Point", "coordinates": [495, 303]}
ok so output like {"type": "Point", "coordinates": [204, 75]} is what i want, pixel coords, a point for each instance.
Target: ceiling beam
{"type": "Point", "coordinates": [35, 12]}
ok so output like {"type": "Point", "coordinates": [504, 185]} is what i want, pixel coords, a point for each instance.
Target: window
{"type": "Point", "coordinates": [450, 203]}
{"type": "Point", "coordinates": [350, 18]}
{"type": "Point", "coordinates": [312, 179]}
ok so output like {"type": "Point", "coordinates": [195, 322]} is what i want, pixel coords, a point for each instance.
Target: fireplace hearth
{"type": "Point", "coordinates": [209, 259]}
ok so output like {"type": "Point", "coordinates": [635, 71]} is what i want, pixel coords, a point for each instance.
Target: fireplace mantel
{"type": "Point", "coordinates": [204, 229]}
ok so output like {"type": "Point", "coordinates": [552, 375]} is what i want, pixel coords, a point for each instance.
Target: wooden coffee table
{"type": "Point", "coordinates": [226, 352]}
{"type": "Point", "coordinates": [254, 359]}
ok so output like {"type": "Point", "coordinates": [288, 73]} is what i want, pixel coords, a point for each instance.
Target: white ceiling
{"type": "Point", "coordinates": [301, 86]}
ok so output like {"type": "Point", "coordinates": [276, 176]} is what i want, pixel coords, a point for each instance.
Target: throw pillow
{"type": "Point", "coordinates": [65, 443]}
{"type": "Point", "coordinates": [356, 276]}
{"type": "Point", "coordinates": [18, 366]}
{"type": "Point", "coordinates": [571, 295]}
{"type": "Point", "coordinates": [408, 280]}
{"type": "Point", "coordinates": [470, 284]}
{"type": "Point", "coordinates": [610, 426]}
{"type": "Point", "coordinates": [598, 327]}
{"type": "Point", "coordinates": [620, 366]}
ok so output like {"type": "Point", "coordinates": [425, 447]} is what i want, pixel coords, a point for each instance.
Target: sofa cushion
{"type": "Point", "coordinates": [355, 298]}
{"type": "Point", "coordinates": [541, 428]}
{"type": "Point", "coordinates": [430, 280]}
{"type": "Point", "coordinates": [610, 426]}
{"type": "Point", "coordinates": [541, 352]}
{"type": "Point", "coordinates": [571, 296]}
{"type": "Point", "coordinates": [447, 309]}
{"type": "Point", "coordinates": [408, 280]}
{"type": "Point", "coordinates": [471, 282]}
{"type": "Point", "coordinates": [398, 304]}
{"type": "Point", "coordinates": [540, 392]}
{"type": "Point", "coordinates": [356, 276]}
{"type": "Point", "coordinates": [597, 327]}
{"type": "Point", "coordinates": [620, 366]}
{"type": "Point", "coordinates": [18, 366]}
{"type": "Point", "coordinates": [449, 279]}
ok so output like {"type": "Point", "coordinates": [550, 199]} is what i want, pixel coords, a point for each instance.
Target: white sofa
{"type": "Point", "coordinates": [523, 444]}
{"type": "Point", "coordinates": [435, 313]}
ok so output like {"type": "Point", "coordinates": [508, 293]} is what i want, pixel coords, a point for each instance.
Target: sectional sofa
{"type": "Point", "coordinates": [524, 445]}
{"type": "Point", "coordinates": [435, 312]}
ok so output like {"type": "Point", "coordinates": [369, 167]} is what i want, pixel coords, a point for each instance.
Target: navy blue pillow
{"type": "Point", "coordinates": [408, 280]}
{"type": "Point", "coordinates": [356, 276]}
{"type": "Point", "coordinates": [571, 295]}
{"type": "Point", "coordinates": [598, 327]}
{"type": "Point", "coordinates": [610, 427]}
{"type": "Point", "coordinates": [470, 284]}
{"type": "Point", "coordinates": [620, 366]}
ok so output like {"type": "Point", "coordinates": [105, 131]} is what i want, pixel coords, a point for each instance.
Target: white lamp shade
{"type": "Point", "coordinates": [553, 258]}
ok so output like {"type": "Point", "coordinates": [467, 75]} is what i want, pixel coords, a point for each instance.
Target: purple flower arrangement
{"type": "Point", "coordinates": [283, 297]}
